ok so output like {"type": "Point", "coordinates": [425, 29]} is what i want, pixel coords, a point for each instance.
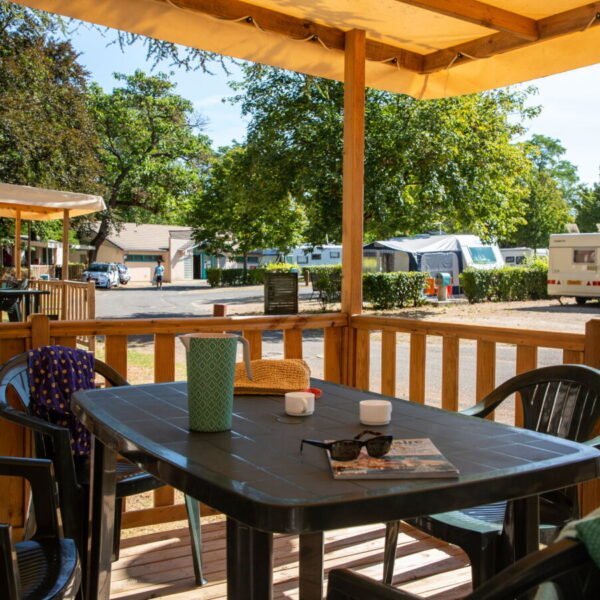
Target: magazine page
{"type": "Point", "coordinates": [416, 458]}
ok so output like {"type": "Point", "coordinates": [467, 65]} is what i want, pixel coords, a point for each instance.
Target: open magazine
{"type": "Point", "coordinates": [416, 458]}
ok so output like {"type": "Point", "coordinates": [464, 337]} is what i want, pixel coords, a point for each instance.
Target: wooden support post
{"type": "Point", "coordinates": [219, 310]}
{"type": "Point", "coordinates": [65, 241]}
{"type": "Point", "coordinates": [527, 357]}
{"type": "Point", "coordinates": [388, 363]}
{"type": "Point", "coordinates": [17, 257]}
{"type": "Point", "coordinates": [353, 189]}
{"type": "Point", "coordinates": [40, 330]}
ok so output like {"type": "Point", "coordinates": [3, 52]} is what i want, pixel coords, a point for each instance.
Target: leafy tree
{"type": "Point", "coordinates": [448, 161]}
{"type": "Point", "coordinates": [553, 192]}
{"type": "Point", "coordinates": [153, 157]}
{"type": "Point", "coordinates": [47, 135]}
{"type": "Point", "coordinates": [588, 209]}
{"type": "Point", "coordinates": [238, 211]}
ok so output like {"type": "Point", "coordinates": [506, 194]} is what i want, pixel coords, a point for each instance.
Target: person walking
{"type": "Point", "coordinates": [159, 272]}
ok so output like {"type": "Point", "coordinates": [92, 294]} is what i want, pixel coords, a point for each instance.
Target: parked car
{"type": "Point", "coordinates": [124, 274]}
{"type": "Point", "coordinates": [105, 275]}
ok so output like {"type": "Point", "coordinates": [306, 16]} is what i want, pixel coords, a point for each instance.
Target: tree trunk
{"type": "Point", "coordinates": [99, 238]}
{"type": "Point", "coordinates": [245, 267]}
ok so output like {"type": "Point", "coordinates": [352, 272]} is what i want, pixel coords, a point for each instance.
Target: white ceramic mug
{"type": "Point", "coordinates": [299, 404]}
{"type": "Point", "coordinates": [375, 412]}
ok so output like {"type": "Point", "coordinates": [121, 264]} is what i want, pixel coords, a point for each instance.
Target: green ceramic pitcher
{"type": "Point", "coordinates": [210, 373]}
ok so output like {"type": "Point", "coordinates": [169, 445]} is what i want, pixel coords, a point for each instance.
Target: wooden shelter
{"type": "Point", "coordinates": [425, 48]}
{"type": "Point", "coordinates": [24, 203]}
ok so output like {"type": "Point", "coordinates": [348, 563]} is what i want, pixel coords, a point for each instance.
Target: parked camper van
{"type": "Point", "coordinates": [328, 254]}
{"type": "Point", "coordinates": [574, 266]}
{"type": "Point", "coordinates": [515, 257]}
{"type": "Point", "coordinates": [432, 253]}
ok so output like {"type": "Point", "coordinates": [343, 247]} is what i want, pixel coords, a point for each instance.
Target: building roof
{"type": "Point", "coordinates": [147, 238]}
{"type": "Point", "coordinates": [425, 48]}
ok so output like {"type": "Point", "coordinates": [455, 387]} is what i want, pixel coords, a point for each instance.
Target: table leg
{"type": "Point", "coordinates": [249, 562]}
{"type": "Point", "coordinates": [311, 566]}
{"type": "Point", "coordinates": [101, 520]}
{"type": "Point", "coordinates": [521, 528]}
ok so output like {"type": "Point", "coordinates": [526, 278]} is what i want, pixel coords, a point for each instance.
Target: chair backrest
{"type": "Point", "coordinates": [13, 375]}
{"type": "Point", "coordinates": [562, 400]}
{"type": "Point", "coordinates": [57, 448]}
{"type": "Point", "coordinates": [8, 302]}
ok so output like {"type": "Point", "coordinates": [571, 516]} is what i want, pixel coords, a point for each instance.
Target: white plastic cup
{"type": "Point", "coordinates": [375, 412]}
{"type": "Point", "coordinates": [299, 404]}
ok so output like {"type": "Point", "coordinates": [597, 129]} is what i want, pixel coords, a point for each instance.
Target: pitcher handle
{"type": "Point", "coordinates": [246, 348]}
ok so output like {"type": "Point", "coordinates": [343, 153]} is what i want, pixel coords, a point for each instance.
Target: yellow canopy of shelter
{"type": "Point", "coordinates": [27, 203]}
{"type": "Point", "coordinates": [425, 48]}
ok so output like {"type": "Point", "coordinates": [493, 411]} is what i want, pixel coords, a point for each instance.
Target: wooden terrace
{"type": "Point", "coordinates": [159, 564]}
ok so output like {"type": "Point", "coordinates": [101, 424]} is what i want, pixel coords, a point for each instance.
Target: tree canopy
{"type": "Point", "coordinates": [239, 211]}
{"type": "Point", "coordinates": [448, 162]}
{"type": "Point", "coordinates": [47, 134]}
{"type": "Point", "coordinates": [152, 154]}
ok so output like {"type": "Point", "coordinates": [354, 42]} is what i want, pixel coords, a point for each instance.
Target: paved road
{"type": "Point", "coordinates": [137, 302]}
{"type": "Point", "coordinates": [197, 300]}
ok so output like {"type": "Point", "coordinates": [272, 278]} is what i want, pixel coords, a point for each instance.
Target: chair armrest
{"type": "Point", "coordinates": [40, 475]}
{"type": "Point", "coordinates": [347, 585]}
{"type": "Point", "coordinates": [38, 425]}
{"type": "Point", "coordinates": [477, 410]}
{"type": "Point", "coordinates": [595, 442]}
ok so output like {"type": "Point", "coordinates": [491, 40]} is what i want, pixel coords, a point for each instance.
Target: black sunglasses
{"type": "Point", "coordinates": [377, 446]}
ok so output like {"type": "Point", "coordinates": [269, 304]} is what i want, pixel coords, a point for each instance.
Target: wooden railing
{"type": "Point", "coordinates": [68, 300]}
{"type": "Point", "coordinates": [395, 336]}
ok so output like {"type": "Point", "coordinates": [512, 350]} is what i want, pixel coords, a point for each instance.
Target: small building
{"type": "Point", "coordinates": [141, 246]}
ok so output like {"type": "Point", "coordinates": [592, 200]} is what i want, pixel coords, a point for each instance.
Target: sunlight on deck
{"type": "Point", "coordinates": [159, 565]}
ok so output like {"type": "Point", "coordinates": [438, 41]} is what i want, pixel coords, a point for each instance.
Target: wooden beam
{"type": "Point", "coordinates": [28, 208]}
{"type": "Point", "coordinates": [17, 257]}
{"type": "Point", "coordinates": [250, 15]}
{"type": "Point", "coordinates": [353, 172]}
{"type": "Point", "coordinates": [65, 242]}
{"type": "Point", "coordinates": [565, 23]}
{"type": "Point", "coordinates": [482, 14]}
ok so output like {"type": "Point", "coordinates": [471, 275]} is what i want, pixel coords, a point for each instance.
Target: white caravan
{"type": "Point", "coordinates": [515, 257]}
{"type": "Point", "coordinates": [574, 266]}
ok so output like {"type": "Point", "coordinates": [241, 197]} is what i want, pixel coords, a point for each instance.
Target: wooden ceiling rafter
{"type": "Point", "coordinates": [302, 30]}
{"type": "Point", "coordinates": [513, 31]}
{"type": "Point", "coordinates": [479, 13]}
{"type": "Point", "coordinates": [571, 21]}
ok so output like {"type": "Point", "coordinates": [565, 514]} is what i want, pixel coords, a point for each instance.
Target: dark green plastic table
{"type": "Point", "coordinates": [256, 476]}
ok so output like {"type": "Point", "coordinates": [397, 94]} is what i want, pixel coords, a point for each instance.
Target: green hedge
{"type": "Point", "coordinates": [327, 282]}
{"type": "Point", "coordinates": [506, 284]}
{"type": "Point", "coordinates": [234, 277]}
{"type": "Point", "coordinates": [394, 290]}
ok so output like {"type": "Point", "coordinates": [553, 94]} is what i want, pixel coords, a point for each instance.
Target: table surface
{"type": "Point", "coordinates": [256, 474]}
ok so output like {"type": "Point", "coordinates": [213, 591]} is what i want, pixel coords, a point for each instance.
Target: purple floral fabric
{"type": "Point", "coordinates": [55, 372]}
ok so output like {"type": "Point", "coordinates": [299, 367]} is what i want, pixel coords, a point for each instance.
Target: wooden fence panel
{"type": "Point", "coordinates": [116, 353]}
{"type": "Point", "coordinates": [486, 369]}
{"type": "Point", "coordinates": [333, 354]}
{"type": "Point", "coordinates": [363, 359]}
{"type": "Point", "coordinates": [254, 338]}
{"type": "Point", "coordinates": [450, 364]}
{"type": "Point", "coordinates": [292, 343]}
{"type": "Point", "coordinates": [418, 357]}
{"type": "Point", "coordinates": [388, 363]}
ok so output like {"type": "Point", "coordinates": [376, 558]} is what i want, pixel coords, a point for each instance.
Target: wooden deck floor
{"type": "Point", "coordinates": [159, 565]}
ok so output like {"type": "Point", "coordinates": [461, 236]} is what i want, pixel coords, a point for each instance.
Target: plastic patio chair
{"type": "Point", "coordinates": [561, 400]}
{"type": "Point", "coordinates": [53, 442]}
{"type": "Point", "coordinates": [47, 565]}
{"type": "Point", "coordinates": [566, 564]}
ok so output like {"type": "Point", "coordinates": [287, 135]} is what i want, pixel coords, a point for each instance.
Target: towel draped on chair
{"type": "Point", "coordinates": [55, 373]}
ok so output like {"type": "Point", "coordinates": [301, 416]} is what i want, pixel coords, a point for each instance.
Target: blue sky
{"type": "Point", "coordinates": [569, 100]}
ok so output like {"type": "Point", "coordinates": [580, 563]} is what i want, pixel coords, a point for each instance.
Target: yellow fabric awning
{"type": "Point", "coordinates": [425, 48]}
{"type": "Point", "coordinates": [38, 204]}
